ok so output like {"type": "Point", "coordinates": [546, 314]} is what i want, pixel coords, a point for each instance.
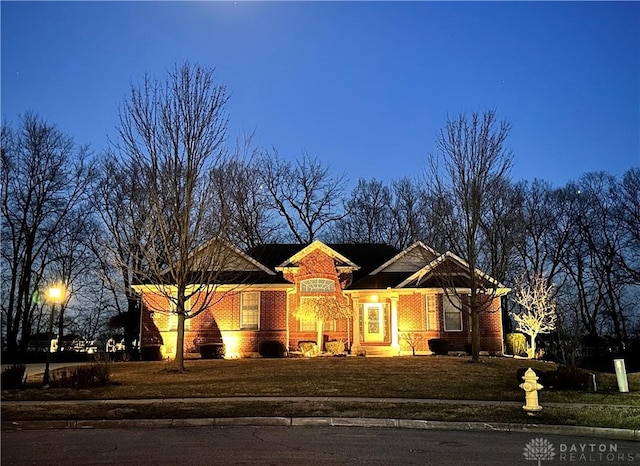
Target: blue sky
{"type": "Point", "coordinates": [364, 86]}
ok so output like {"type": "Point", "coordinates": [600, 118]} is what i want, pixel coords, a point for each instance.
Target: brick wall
{"type": "Point", "coordinates": [219, 323]}
{"type": "Point", "coordinates": [316, 264]}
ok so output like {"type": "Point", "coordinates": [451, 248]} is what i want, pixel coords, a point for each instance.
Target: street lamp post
{"type": "Point", "coordinates": [54, 295]}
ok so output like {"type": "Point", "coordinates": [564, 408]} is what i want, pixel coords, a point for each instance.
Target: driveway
{"type": "Point", "coordinates": [38, 368]}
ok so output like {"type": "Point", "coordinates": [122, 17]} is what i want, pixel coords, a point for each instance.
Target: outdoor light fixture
{"type": "Point", "coordinates": [374, 298]}
{"type": "Point", "coordinates": [55, 294]}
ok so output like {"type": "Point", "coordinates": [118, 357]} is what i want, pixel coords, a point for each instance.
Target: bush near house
{"type": "Point", "coordinates": [335, 347]}
{"type": "Point", "coordinates": [562, 378]}
{"type": "Point", "coordinates": [272, 349]}
{"type": "Point", "coordinates": [212, 351]}
{"type": "Point", "coordinates": [308, 348]}
{"type": "Point", "coordinates": [439, 346]}
{"type": "Point", "coordinates": [516, 344]}
{"type": "Point", "coordinates": [151, 353]}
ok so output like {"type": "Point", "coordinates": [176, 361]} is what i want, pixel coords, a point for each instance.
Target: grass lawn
{"type": "Point", "coordinates": [447, 378]}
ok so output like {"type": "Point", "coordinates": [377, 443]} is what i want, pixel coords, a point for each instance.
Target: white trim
{"type": "Point", "coordinates": [431, 326]}
{"type": "Point", "coordinates": [317, 244]}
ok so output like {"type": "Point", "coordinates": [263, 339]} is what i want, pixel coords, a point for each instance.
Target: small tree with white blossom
{"type": "Point", "coordinates": [537, 308]}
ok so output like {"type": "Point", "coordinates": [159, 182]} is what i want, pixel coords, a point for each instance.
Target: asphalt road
{"type": "Point", "coordinates": [306, 446]}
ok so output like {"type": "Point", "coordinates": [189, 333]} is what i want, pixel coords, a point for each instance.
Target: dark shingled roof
{"type": "Point", "coordinates": [230, 278]}
{"type": "Point", "coordinates": [272, 255]}
{"type": "Point", "coordinates": [366, 256]}
{"type": "Point", "coordinates": [379, 281]}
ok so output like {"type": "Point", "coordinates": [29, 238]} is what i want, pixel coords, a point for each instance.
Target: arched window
{"type": "Point", "coordinates": [318, 284]}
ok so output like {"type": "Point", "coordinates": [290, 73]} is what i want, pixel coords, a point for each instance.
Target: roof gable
{"type": "Point", "coordinates": [231, 258]}
{"type": "Point", "coordinates": [459, 267]}
{"type": "Point", "coordinates": [318, 245]}
{"type": "Point", "coordinates": [412, 259]}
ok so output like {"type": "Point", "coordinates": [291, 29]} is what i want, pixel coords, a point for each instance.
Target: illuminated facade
{"type": "Point", "coordinates": [375, 298]}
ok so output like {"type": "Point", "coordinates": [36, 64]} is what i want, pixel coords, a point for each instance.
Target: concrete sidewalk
{"type": "Point", "coordinates": [317, 399]}
{"type": "Point", "coordinates": [612, 433]}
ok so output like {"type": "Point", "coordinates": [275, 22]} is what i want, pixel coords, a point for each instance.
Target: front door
{"type": "Point", "coordinates": [373, 323]}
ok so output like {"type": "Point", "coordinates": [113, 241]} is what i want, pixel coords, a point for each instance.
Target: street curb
{"type": "Point", "coordinates": [536, 429]}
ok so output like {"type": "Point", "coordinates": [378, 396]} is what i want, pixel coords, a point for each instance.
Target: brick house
{"type": "Point", "coordinates": [389, 295]}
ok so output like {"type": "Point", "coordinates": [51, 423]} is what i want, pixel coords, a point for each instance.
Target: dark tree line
{"type": "Point", "coordinates": [171, 182]}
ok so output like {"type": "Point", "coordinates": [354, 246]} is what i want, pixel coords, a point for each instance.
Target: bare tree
{"type": "Point", "coordinates": [120, 201]}
{"type": "Point", "coordinates": [72, 261]}
{"type": "Point", "coordinates": [413, 339]}
{"type": "Point", "coordinates": [593, 258]}
{"type": "Point", "coordinates": [408, 213]}
{"type": "Point", "coordinates": [243, 199]}
{"type": "Point", "coordinates": [538, 308]}
{"type": "Point", "coordinates": [627, 214]}
{"type": "Point", "coordinates": [368, 218]}
{"type": "Point", "coordinates": [44, 176]}
{"type": "Point", "coordinates": [475, 164]}
{"type": "Point", "coordinates": [303, 193]}
{"type": "Point", "coordinates": [172, 134]}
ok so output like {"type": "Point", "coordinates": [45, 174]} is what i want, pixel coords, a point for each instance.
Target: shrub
{"type": "Point", "coordinates": [308, 348]}
{"type": "Point", "coordinates": [13, 377]}
{"type": "Point", "coordinates": [272, 349]}
{"type": "Point", "coordinates": [516, 344]}
{"type": "Point", "coordinates": [212, 351]}
{"type": "Point", "coordinates": [439, 346]}
{"type": "Point", "coordinates": [96, 374]}
{"type": "Point", "coordinates": [569, 378]}
{"type": "Point", "coordinates": [334, 347]}
{"type": "Point", "coordinates": [151, 353]}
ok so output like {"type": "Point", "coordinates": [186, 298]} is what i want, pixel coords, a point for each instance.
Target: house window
{"type": "Point", "coordinates": [451, 309]}
{"type": "Point", "coordinates": [173, 316]}
{"type": "Point", "coordinates": [250, 310]}
{"type": "Point", "coordinates": [432, 316]}
{"type": "Point", "coordinates": [317, 284]}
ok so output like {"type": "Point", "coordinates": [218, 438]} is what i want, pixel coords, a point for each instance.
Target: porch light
{"type": "Point", "coordinates": [374, 298]}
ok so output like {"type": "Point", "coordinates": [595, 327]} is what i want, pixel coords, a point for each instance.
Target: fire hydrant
{"type": "Point", "coordinates": [531, 387]}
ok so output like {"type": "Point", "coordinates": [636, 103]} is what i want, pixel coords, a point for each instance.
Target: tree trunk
{"type": "Point", "coordinates": [531, 352]}
{"type": "Point", "coordinates": [320, 335]}
{"type": "Point", "coordinates": [475, 335]}
{"type": "Point", "coordinates": [179, 359]}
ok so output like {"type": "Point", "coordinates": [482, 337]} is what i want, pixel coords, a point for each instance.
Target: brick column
{"type": "Point", "coordinates": [394, 324]}
{"type": "Point", "coordinates": [355, 346]}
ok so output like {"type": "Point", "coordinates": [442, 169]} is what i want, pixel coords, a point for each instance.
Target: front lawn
{"type": "Point", "coordinates": [433, 377]}
{"type": "Point", "coordinates": [442, 377]}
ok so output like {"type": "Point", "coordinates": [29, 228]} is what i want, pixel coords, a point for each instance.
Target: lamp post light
{"type": "Point", "coordinates": [55, 294]}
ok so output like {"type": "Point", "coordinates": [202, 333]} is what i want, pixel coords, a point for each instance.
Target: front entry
{"type": "Point", "coordinates": [373, 323]}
